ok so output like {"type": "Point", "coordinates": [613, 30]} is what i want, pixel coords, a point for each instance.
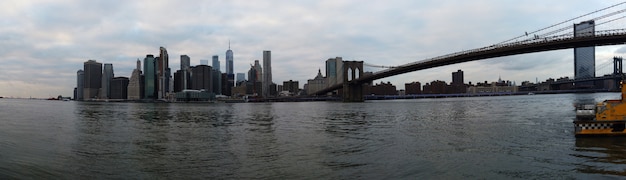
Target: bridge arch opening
{"type": "Point", "coordinates": [350, 74]}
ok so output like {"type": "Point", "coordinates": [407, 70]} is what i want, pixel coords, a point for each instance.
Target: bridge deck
{"type": "Point", "coordinates": [599, 38]}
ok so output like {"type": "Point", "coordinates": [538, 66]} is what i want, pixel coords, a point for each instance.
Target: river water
{"type": "Point", "coordinates": [503, 137]}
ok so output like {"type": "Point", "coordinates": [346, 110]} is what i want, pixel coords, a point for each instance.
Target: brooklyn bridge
{"type": "Point", "coordinates": [580, 33]}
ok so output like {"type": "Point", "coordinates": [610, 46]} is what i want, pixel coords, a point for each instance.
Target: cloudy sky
{"type": "Point", "coordinates": [43, 43]}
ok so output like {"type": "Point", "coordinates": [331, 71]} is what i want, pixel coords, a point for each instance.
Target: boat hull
{"type": "Point", "coordinates": [600, 128]}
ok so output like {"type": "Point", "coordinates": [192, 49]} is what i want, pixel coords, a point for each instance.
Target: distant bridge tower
{"type": "Point", "coordinates": [352, 91]}
{"type": "Point", "coordinates": [617, 66]}
{"type": "Point", "coordinates": [584, 57]}
{"type": "Point", "coordinates": [618, 72]}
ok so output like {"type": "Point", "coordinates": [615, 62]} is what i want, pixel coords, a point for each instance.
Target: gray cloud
{"type": "Point", "coordinates": [44, 43]}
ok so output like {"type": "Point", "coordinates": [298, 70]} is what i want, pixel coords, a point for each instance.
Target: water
{"type": "Point", "coordinates": [506, 137]}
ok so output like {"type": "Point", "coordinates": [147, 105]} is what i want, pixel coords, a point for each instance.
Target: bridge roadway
{"type": "Point", "coordinates": [599, 38]}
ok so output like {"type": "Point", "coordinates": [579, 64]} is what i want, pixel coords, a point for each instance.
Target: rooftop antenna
{"type": "Point", "coordinates": [228, 44]}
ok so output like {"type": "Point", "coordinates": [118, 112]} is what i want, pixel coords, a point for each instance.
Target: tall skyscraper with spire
{"type": "Point", "coordinates": [230, 74]}
{"type": "Point", "coordinates": [229, 60]}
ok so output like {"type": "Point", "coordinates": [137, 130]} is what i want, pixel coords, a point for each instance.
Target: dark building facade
{"type": "Point", "coordinates": [435, 87]}
{"type": "Point", "coordinates": [80, 86]}
{"type": "Point", "coordinates": [291, 86]}
{"type": "Point", "coordinates": [179, 81]}
{"type": "Point", "coordinates": [413, 88]}
{"type": "Point", "coordinates": [119, 88]}
{"type": "Point", "coordinates": [92, 79]}
{"type": "Point", "coordinates": [201, 78]}
{"type": "Point", "coordinates": [227, 84]}
{"type": "Point", "coordinates": [383, 89]}
{"type": "Point", "coordinates": [150, 77]}
{"type": "Point", "coordinates": [458, 85]}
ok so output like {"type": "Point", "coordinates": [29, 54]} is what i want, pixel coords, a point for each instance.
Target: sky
{"type": "Point", "coordinates": [43, 43]}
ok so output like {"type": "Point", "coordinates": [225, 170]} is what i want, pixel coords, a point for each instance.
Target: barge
{"type": "Point", "coordinates": [606, 118]}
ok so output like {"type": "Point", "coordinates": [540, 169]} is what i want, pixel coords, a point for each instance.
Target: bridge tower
{"type": "Point", "coordinates": [617, 66]}
{"type": "Point", "coordinates": [618, 72]}
{"type": "Point", "coordinates": [352, 91]}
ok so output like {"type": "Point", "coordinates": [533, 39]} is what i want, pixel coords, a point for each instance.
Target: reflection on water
{"type": "Point", "coordinates": [601, 155]}
{"type": "Point", "coordinates": [525, 137]}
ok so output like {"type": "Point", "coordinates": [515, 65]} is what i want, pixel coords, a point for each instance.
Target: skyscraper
{"type": "Point", "coordinates": [230, 76]}
{"type": "Point", "coordinates": [185, 62]}
{"type": "Point", "coordinates": [584, 57]}
{"type": "Point", "coordinates": [80, 78]}
{"type": "Point", "coordinates": [204, 62]}
{"type": "Point", "coordinates": [185, 67]}
{"type": "Point", "coordinates": [216, 76]}
{"type": "Point", "coordinates": [457, 78]}
{"type": "Point", "coordinates": [241, 77]}
{"type": "Point", "coordinates": [163, 73]}
{"type": "Point", "coordinates": [229, 60]}
{"type": "Point", "coordinates": [258, 70]}
{"type": "Point", "coordinates": [93, 79]}
{"type": "Point", "coordinates": [134, 84]}
{"type": "Point", "coordinates": [107, 75]}
{"type": "Point", "coordinates": [119, 88]}
{"type": "Point", "coordinates": [150, 77]}
{"type": "Point", "coordinates": [201, 79]}
{"type": "Point", "coordinates": [267, 74]}
{"type": "Point", "coordinates": [216, 63]}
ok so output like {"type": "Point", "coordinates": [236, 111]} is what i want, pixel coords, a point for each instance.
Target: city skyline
{"type": "Point", "coordinates": [44, 44]}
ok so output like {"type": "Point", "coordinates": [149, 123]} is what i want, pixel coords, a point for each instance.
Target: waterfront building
{"type": "Point", "coordinates": [80, 78]}
{"type": "Point", "coordinates": [216, 63]}
{"type": "Point", "coordinates": [226, 84]}
{"type": "Point", "coordinates": [163, 74]}
{"type": "Point", "coordinates": [334, 72]}
{"type": "Point", "coordinates": [383, 89]}
{"type": "Point", "coordinates": [254, 84]}
{"type": "Point", "coordinates": [457, 77]}
{"type": "Point", "coordinates": [185, 67]}
{"type": "Point", "coordinates": [134, 84]}
{"type": "Point", "coordinates": [180, 78]}
{"type": "Point", "coordinates": [272, 89]}
{"type": "Point", "coordinates": [492, 88]}
{"type": "Point", "coordinates": [216, 79]}
{"type": "Point", "coordinates": [107, 75]}
{"type": "Point", "coordinates": [185, 62]}
{"type": "Point", "coordinates": [119, 88]}
{"type": "Point", "coordinates": [194, 95]}
{"type": "Point", "coordinates": [150, 77]}
{"type": "Point", "coordinates": [435, 87]}
{"type": "Point", "coordinates": [201, 78]}
{"type": "Point", "coordinates": [584, 57]}
{"type": "Point", "coordinates": [241, 77]}
{"type": "Point", "coordinates": [291, 86]}
{"type": "Point", "coordinates": [413, 88]}
{"type": "Point", "coordinates": [267, 74]}
{"type": "Point", "coordinates": [316, 84]}
{"type": "Point", "coordinates": [457, 86]}
{"type": "Point", "coordinates": [92, 79]}
{"type": "Point", "coordinates": [258, 70]}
